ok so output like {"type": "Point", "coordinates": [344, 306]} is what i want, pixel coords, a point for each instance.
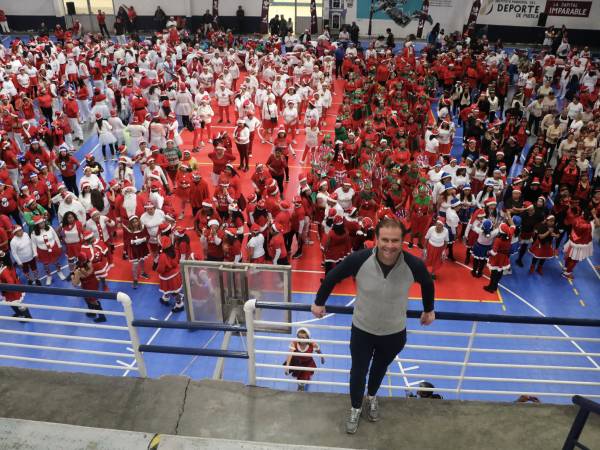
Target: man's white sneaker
{"type": "Point", "coordinates": [373, 409]}
{"type": "Point", "coordinates": [48, 280]}
{"type": "Point", "coordinates": [352, 420]}
{"type": "Point", "coordinates": [61, 275]}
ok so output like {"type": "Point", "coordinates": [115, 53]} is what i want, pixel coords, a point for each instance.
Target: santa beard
{"type": "Point", "coordinates": [130, 203]}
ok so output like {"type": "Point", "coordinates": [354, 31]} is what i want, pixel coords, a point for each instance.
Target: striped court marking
{"type": "Point", "coordinates": [558, 328]}
{"type": "Point", "coordinates": [593, 267]}
{"type": "Point", "coordinates": [575, 291]}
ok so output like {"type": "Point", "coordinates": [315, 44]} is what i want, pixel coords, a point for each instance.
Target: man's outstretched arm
{"type": "Point", "coordinates": [349, 267]}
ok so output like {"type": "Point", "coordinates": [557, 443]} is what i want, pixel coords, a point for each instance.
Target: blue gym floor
{"type": "Point", "coordinates": [521, 294]}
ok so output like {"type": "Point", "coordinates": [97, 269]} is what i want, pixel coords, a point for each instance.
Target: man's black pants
{"type": "Point", "coordinates": [365, 347]}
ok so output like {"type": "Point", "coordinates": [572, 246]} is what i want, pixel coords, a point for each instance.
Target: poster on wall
{"type": "Point", "coordinates": [402, 12]}
{"type": "Point", "coordinates": [527, 12]}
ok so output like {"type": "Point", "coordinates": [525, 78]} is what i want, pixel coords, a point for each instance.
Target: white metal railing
{"type": "Point", "coordinates": [463, 365]}
{"type": "Point", "coordinates": [127, 314]}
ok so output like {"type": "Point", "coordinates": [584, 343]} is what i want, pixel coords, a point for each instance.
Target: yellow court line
{"type": "Point", "coordinates": [501, 300]}
{"type": "Point", "coordinates": [576, 292]}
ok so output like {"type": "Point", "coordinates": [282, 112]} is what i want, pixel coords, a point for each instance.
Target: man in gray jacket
{"type": "Point", "coordinates": [383, 277]}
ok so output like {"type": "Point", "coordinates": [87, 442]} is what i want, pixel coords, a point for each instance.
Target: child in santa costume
{"type": "Point", "coordinates": [303, 361]}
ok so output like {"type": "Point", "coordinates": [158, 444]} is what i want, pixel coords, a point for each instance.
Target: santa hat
{"type": "Point", "coordinates": [213, 222]}
{"type": "Point", "coordinates": [87, 234]}
{"type": "Point", "coordinates": [165, 242]}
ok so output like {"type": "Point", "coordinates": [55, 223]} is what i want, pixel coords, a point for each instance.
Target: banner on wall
{"type": "Point", "coordinates": [402, 12]}
{"type": "Point", "coordinates": [313, 17]}
{"type": "Point", "coordinates": [527, 12]}
{"type": "Point", "coordinates": [568, 9]}
{"type": "Point", "coordinates": [264, 17]}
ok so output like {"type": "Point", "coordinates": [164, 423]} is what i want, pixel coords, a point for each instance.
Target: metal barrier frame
{"type": "Point", "coordinates": [586, 406]}
{"type": "Point", "coordinates": [229, 267]}
{"type": "Point", "coordinates": [252, 305]}
{"type": "Point", "coordinates": [127, 313]}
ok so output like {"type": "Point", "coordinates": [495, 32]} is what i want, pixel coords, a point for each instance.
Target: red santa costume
{"type": "Point", "coordinates": [304, 360]}
{"type": "Point", "coordinates": [47, 247]}
{"type": "Point", "coordinates": [9, 276]}
{"type": "Point", "coordinates": [169, 274]}
{"type": "Point", "coordinates": [579, 246]}
{"type": "Point", "coordinates": [337, 245]}
{"type": "Point", "coordinates": [436, 244]}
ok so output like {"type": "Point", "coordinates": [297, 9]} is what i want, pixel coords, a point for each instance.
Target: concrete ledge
{"type": "Point", "coordinates": [224, 410]}
{"type": "Point", "coordinates": [17, 434]}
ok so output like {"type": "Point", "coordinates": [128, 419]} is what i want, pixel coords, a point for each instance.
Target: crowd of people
{"type": "Point", "coordinates": [527, 179]}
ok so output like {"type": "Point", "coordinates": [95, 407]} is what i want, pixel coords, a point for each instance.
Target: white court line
{"type": "Point", "coordinates": [593, 268]}
{"type": "Point", "coordinates": [326, 315]}
{"type": "Point", "coordinates": [125, 364]}
{"type": "Point", "coordinates": [151, 339]}
{"type": "Point", "coordinates": [193, 360]}
{"type": "Point", "coordinates": [560, 330]}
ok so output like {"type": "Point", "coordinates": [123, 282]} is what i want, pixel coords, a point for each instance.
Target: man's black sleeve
{"type": "Point", "coordinates": [349, 267]}
{"type": "Point", "coordinates": [423, 277]}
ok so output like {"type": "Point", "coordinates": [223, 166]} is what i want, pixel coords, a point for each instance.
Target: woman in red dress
{"type": "Point", "coordinates": [305, 363]}
{"type": "Point", "coordinates": [183, 183]}
{"type": "Point", "coordinates": [85, 277]}
{"type": "Point", "coordinates": [542, 248]}
{"type": "Point", "coordinates": [9, 276]}
{"type": "Point", "coordinates": [169, 275]}
{"type": "Point", "coordinates": [47, 247]}
{"type": "Point", "coordinates": [337, 244]}
{"type": "Point", "coordinates": [71, 233]}
{"type": "Point", "coordinates": [137, 250]}
{"type": "Point", "coordinates": [499, 256]}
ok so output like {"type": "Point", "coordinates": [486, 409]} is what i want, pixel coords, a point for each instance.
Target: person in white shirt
{"type": "Point", "coordinates": [91, 179]}
{"type": "Point", "coordinates": [345, 193]}
{"type": "Point", "coordinates": [224, 96]}
{"type": "Point", "coordinates": [253, 125]}
{"type": "Point", "coordinates": [21, 250]}
{"type": "Point", "coordinates": [574, 108]}
{"type": "Point", "coordinates": [256, 245]}
{"type": "Point", "coordinates": [70, 203]}
{"type": "Point", "coordinates": [589, 80]}
{"type": "Point", "coordinates": [290, 120]}
{"type": "Point", "coordinates": [269, 115]}
{"type": "Point", "coordinates": [437, 237]}
{"type": "Point", "coordinates": [241, 136]}
{"type": "Point", "coordinates": [47, 247]}
{"type": "Point", "coordinates": [151, 219]}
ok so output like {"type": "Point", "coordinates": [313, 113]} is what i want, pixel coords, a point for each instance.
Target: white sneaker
{"type": "Point", "coordinates": [48, 280]}
{"type": "Point", "coordinates": [61, 275]}
{"type": "Point", "coordinates": [373, 411]}
{"type": "Point", "coordinates": [352, 420]}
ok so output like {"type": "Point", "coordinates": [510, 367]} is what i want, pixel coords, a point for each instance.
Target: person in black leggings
{"type": "Point", "coordinates": [383, 276]}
